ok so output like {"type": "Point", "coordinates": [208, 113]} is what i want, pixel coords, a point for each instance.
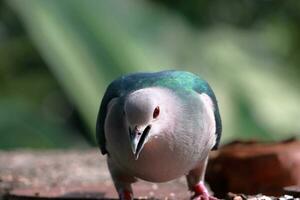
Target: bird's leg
{"type": "Point", "coordinates": [195, 181]}
{"type": "Point", "coordinates": [122, 181]}
{"type": "Point", "coordinates": [123, 186]}
{"type": "Point", "coordinates": [125, 194]}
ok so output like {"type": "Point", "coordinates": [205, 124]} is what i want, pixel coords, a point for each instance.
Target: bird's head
{"type": "Point", "coordinates": [144, 112]}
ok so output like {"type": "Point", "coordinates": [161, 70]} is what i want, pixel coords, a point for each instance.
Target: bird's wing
{"type": "Point", "coordinates": [112, 91]}
{"type": "Point", "coordinates": [201, 86]}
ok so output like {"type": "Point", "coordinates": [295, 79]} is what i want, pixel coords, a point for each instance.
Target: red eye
{"type": "Point", "coordinates": [156, 112]}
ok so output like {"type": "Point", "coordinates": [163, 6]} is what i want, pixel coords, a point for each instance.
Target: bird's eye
{"type": "Point", "coordinates": [156, 112]}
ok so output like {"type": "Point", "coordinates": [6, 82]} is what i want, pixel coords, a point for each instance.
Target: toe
{"type": "Point", "coordinates": [203, 197]}
{"type": "Point", "coordinates": [126, 195]}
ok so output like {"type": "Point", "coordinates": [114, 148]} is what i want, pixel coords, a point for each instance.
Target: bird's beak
{"type": "Point", "coordinates": [137, 139]}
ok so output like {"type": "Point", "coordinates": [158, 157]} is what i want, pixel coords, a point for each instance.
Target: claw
{"type": "Point", "coordinates": [201, 193]}
{"type": "Point", "coordinates": [204, 197]}
{"type": "Point", "coordinates": [125, 195]}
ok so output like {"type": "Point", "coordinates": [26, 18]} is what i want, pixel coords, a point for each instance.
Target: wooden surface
{"type": "Point", "coordinates": [82, 174]}
{"type": "Point", "coordinates": [251, 168]}
{"type": "Point", "coordinates": [70, 173]}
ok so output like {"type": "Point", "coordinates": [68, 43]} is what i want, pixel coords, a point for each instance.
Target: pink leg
{"type": "Point", "coordinates": [125, 195]}
{"type": "Point", "coordinates": [195, 180]}
{"type": "Point", "coordinates": [201, 192]}
{"type": "Point", "coordinates": [122, 181]}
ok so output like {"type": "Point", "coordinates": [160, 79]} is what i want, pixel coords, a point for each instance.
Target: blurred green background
{"type": "Point", "coordinates": [57, 57]}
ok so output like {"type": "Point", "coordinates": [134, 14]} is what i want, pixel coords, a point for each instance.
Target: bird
{"type": "Point", "coordinates": [158, 126]}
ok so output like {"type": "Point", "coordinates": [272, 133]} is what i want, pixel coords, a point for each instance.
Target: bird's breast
{"type": "Point", "coordinates": [160, 160]}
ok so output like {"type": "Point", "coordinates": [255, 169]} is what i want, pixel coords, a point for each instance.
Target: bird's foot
{"type": "Point", "coordinates": [201, 193]}
{"type": "Point", "coordinates": [203, 197]}
{"type": "Point", "coordinates": [125, 195]}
